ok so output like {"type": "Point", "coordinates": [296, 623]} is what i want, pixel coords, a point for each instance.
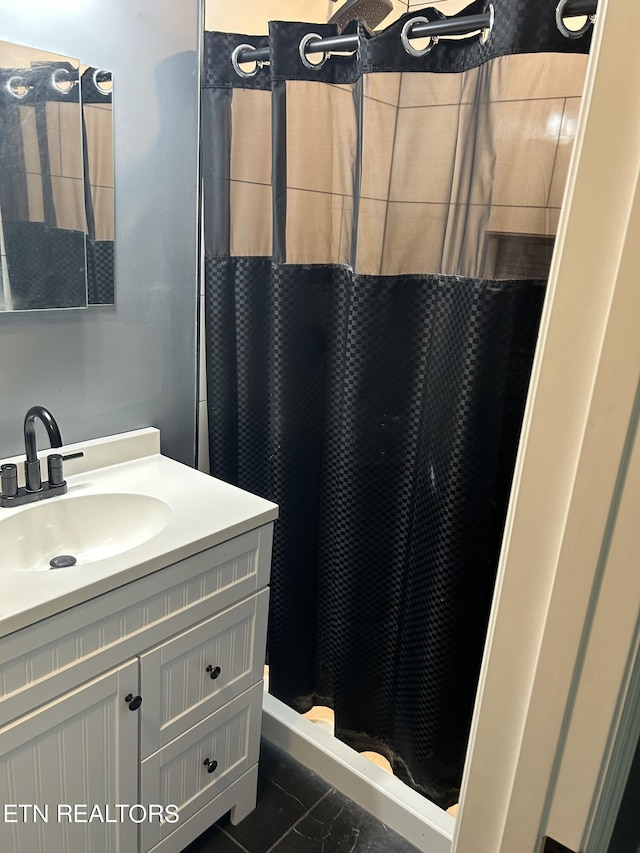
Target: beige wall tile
{"type": "Point", "coordinates": [413, 238]}
{"type": "Point", "coordinates": [250, 219]}
{"type": "Point", "coordinates": [378, 760]}
{"type": "Point", "coordinates": [104, 212]}
{"type": "Point", "coordinates": [553, 214]}
{"type": "Point", "coordinates": [379, 123]}
{"type": "Point", "coordinates": [317, 116]}
{"type": "Point", "coordinates": [424, 153]}
{"type": "Point", "coordinates": [68, 198]}
{"type": "Point", "coordinates": [565, 150]}
{"type": "Point", "coordinates": [322, 716]}
{"type": "Point", "coordinates": [251, 139]}
{"type": "Point", "coordinates": [537, 75]}
{"type": "Point", "coordinates": [399, 8]}
{"type": "Point", "coordinates": [99, 121]}
{"type": "Point", "coordinates": [371, 225]}
{"type": "Point", "coordinates": [54, 137]}
{"type": "Point", "coordinates": [383, 87]}
{"type": "Point", "coordinates": [525, 138]}
{"type": "Point", "coordinates": [463, 249]}
{"type": "Point", "coordinates": [523, 220]}
{"type": "Point", "coordinates": [318, 228]}
{"type": "Point", "coordinates": [68, 125]}
{"type": "Point", "coordinates": [427, 90]}
{"type": "Point", "coordinates": [21, 56]}
{"type": "Point", "coordinates": [34, 197]}
{"type": "Point", "coordinates": [448, 7]}
{"type": "Point", "coordinates": [345, 231]}
{"type": "Point", "coordinates": [30, 139]}
{"type": "Point", "coordinates": [253, 16]}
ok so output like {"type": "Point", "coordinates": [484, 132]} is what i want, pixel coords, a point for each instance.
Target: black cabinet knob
{"type": "Point", "coordinates": [210, 765]}
{"type": "Point", "coordinates": [214, 671]}
{"type": "Point", "coordinates": [133, 702]}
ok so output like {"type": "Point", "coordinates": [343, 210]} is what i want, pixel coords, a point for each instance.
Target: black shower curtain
{"type": "Point", "coordinates": [377, 235]}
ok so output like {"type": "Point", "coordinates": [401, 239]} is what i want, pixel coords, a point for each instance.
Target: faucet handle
{"type": "Point", "coordinates": [54, 469]}
{"type": "Point", "coordinates": [54, 466]}
{"type": "Point", "coordinates": [78, 455]}
{"type": "Point", "coordinates": [9, 477]}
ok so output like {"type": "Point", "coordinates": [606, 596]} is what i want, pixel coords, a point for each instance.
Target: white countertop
{"type": "Point", "coordinates": [204, 512]}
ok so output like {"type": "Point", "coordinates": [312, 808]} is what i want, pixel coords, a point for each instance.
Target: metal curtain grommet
{"type": "Point", "coordinates": [17, 87]}
{"type": "Point", "coordinates": [564, 29]}
{"type": "Point", "coordinates": [61, 75]}
{"type": "Point", "coordinates": [235, 61]}
{"type": "Point", "coordinates": [106, 77]}
{"type": "Point", "coordinates": [484, 35]}
{"type": "Point", "coordinates": [405, 35]}
{"type": "Point", "coordinates": [304, 42]}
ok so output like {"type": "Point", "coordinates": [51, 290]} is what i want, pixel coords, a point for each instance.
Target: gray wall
{"type": "Point", "coordinates": [110, 369]}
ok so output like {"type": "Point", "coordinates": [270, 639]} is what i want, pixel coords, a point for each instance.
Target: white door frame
{"type": "Point", "coordinates": [566, 596]}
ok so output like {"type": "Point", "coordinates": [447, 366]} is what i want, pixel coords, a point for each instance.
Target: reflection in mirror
{"type": "Point", "coordinates": [41, 182]}
{"type": "Point", "coordinates": [56, 182]}
{"type": "Point", "coordinates": [97, 131]}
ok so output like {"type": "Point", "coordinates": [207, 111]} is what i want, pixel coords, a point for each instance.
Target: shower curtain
{"type": "Point", "coordinates": [377, 231]}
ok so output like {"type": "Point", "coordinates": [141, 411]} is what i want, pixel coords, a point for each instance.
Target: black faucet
{"type": "Point", "coordinates": [34, 489]}
{"type": "Point", "coordinates": [32, 475]}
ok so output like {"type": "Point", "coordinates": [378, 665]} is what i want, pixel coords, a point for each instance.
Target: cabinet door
{"type": "Point", "coordinates": [191, 676]}
{"type": "Point", "coordinates": [68, 756]}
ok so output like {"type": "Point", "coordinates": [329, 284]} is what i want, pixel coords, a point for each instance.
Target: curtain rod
{"type": "Point", "coordinates": [450, 27]}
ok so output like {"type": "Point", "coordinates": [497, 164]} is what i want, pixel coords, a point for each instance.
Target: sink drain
{"type": "Point", "coordinates": [63, 561]}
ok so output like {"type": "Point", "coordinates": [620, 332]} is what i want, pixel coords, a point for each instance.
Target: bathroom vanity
{"type": "Point", "coordinates": [131, 682]}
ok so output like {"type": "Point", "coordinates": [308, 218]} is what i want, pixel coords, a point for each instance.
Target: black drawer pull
{"type": "Point", "coordinates": [210, 765]}
{"type": "Point", "coordinates": [214, 671]}
{"type": "Point", "coordinates": [133, 702]}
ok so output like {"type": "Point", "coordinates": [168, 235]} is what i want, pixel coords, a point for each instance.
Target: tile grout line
{"type": "Point", "coordinates": [301, 818]}
{"type": "Point", "coordinates": [231, 838]}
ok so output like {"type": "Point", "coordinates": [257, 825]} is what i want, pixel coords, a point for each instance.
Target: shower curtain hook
{"type": "Point", "coordinates": [94, 79]}
{"type": "Point", "coordinates": [486, 33]}
{"type": "Point", "coordinates": [235, 61]}
{"type": "Point", "coordinates": [61, 75]}
{"type": "Point", "coordinates": [405, 35]}
{"type": "Point", "coordinates": [303, 51]}
{"type": "Point", "coordinates": [564, 29]}
{"type": "Point", "coordinates": [14, 84]}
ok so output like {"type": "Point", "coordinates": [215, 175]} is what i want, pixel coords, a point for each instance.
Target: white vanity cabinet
{"type": "Point", "coordinates": [149, 695]}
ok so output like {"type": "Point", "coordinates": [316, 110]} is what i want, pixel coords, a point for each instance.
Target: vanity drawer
{"type": "Point", "coordinates": [187, 678]}
{"type": "Point", "coordinates": [177, 774]}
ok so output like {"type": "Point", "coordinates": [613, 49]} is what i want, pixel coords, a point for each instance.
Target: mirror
{"type": "Point", "coordinates": [56, 182]}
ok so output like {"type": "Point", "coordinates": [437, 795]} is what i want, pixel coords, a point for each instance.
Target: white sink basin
{"type": "Point", "coordinates": [129, 512]}
{"type": "Point", "coordinates": [86, 527]}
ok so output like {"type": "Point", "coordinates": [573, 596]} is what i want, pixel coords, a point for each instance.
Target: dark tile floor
{"type": "Point", "coordinates": [298, 812]}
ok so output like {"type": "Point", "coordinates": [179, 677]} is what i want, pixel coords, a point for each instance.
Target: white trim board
{"type": "Point", "coordinates": [405, 811]}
